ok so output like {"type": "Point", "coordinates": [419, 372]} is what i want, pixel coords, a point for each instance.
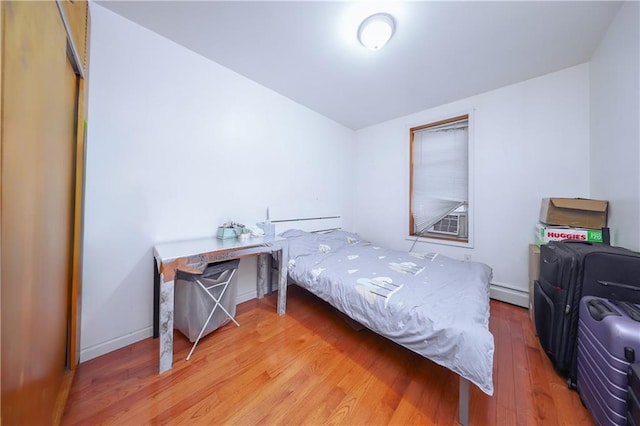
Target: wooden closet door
{"type": "Point", "coordinates": [38, 126]}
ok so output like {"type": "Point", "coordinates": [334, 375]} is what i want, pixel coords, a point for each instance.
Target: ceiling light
{"type": "Point", "coordinates": [375, 31]}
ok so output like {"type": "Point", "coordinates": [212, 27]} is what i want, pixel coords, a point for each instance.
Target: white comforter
{"type": "Point", "coordinates": [432, 304]}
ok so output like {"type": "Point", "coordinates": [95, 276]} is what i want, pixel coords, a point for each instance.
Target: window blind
{"type": "Point", "coordinates": [440, 173]}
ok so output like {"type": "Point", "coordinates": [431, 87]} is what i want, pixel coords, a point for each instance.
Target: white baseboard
{"type": "Point", "coordinates": [509, 295]}
{"type": "Point", "coordinates": [114, 344]}
{"type": "Point", "coordinates": [246, 296]}
{"type": "Point", "coordinates": [131, 338]}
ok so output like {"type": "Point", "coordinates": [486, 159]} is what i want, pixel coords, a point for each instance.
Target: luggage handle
{"type": "Point", "coordinates": [589, 243]}
{"type": "Point", "coordinates": [629, 308]}
{"type": "Point", "coordinates": [599, 309]}
{"type": "Point", "coordinates": [619, 285]}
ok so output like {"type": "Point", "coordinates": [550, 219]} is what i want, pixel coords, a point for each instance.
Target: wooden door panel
{"type": "Point", "coordinates": [38, 126]}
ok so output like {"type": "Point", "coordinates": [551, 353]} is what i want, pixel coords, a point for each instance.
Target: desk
{"type": "Point", "coordinates": [194, 256]}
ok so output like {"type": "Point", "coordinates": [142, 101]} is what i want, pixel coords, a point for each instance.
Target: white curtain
{"type": "Point", "coordinates": [440, 173]}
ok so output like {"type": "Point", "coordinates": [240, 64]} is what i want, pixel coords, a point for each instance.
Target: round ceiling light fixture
{"type": "Point", "coordinates": [375, 31]}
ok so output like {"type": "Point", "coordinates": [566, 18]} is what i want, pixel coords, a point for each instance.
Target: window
{"type": "Point", "coordinates": [439, 200]}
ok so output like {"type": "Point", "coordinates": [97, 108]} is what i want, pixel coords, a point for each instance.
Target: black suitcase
{"type": "Point", "coordinates": [568, 271]}
{"type": "Point", "coordinates": [612, 275]}
{"type": "Point", "coordinates": [633, 395]}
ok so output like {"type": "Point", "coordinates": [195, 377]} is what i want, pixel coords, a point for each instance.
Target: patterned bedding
{"type": "Point", "coordinates": [432, 304]}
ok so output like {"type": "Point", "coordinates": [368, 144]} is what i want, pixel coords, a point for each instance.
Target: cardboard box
{"type": "Point", "coordinates": [534, 273]}
{"type": "Point", "coordinates": [544, 234]}
{"type": "Point", "coordinates": [574, 212]}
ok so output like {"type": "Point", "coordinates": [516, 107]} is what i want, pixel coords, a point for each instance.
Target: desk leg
{"type": "Point", "coordinates": [263, 275]}
{"type": "Point", "coordinates": [283, 257]}
{"type": "Point", "coordinates": [156, 300]}
{"type": "Point", "coordinates": [166, 324]}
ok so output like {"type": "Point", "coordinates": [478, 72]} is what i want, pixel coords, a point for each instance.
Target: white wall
{"type": "Point", "coordinates": [177, 145]}
{"type": "Point", "coordinates": [531, 140]}
{"type": "Point", "coordinates": [615, 125]}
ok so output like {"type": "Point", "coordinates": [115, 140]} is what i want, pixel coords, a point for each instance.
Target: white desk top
{"type": "Point", "coordinates": [168, 251]}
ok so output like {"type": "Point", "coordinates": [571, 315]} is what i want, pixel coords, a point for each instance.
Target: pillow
{"type": "Point", "coordinates": [292, 233]}
{"type": "Point", "coordinates": [303, 243]}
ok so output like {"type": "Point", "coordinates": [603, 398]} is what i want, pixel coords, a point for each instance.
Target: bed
{"type": "Point", "coordinates": [431, 304]}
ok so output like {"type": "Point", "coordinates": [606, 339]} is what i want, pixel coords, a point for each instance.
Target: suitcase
{"type": "Point", "coordinates": [570, 270]}
{"type": "Point", "coordinates": [633, 395]}
{"type": "Point", "coordinates": [612, 274]}
{"type": "Point", "coordinates": [608, 343]}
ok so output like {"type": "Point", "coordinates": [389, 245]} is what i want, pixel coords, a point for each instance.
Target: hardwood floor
{"type": "Point", "coordinates": [310, 367]}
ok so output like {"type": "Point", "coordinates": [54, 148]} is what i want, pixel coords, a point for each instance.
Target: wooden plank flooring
{"type": "Point", "coordinates": [310, 367]}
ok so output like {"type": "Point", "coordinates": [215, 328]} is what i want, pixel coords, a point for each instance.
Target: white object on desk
{"type": "Point", "coordinates": [268, 228]}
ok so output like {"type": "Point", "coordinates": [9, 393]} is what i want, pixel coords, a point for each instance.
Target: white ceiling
{"type": "Point", "coordinates": [441, 51]}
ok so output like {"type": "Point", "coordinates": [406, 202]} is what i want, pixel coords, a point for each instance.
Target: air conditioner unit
{"type": "Point", "coordinates": [454, 224]}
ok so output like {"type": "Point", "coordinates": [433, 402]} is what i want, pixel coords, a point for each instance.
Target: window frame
{"type": "Point", "coordinates": [449, 118]}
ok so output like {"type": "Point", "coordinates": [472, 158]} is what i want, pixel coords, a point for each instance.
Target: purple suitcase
{"type": "Point", "coordinates": [608, 342]}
